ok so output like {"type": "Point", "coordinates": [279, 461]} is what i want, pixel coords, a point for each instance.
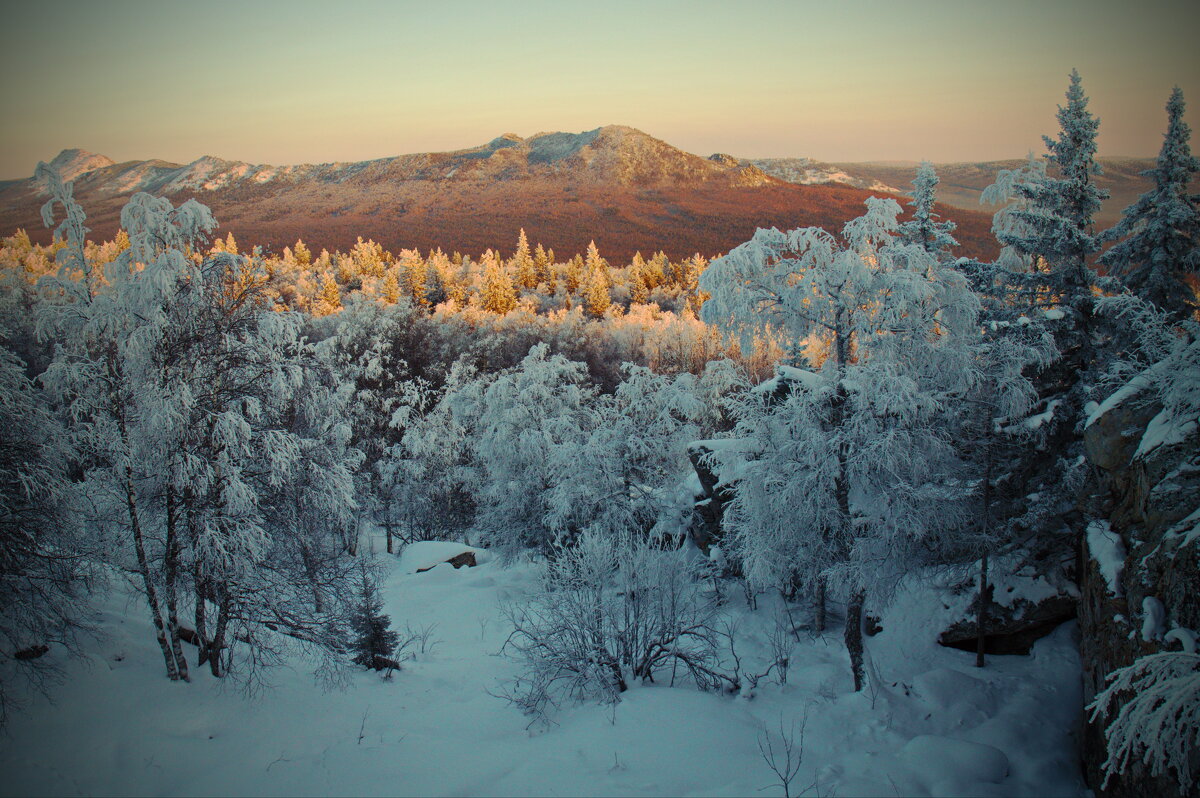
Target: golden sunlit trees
{"type": "Point", "coordinates": [498, 295]}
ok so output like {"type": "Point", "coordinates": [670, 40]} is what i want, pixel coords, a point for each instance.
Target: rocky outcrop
{"type": "Point", "coordinates": [1012, 629]}
{"type": "Point", "coordinates": [1140, 569]}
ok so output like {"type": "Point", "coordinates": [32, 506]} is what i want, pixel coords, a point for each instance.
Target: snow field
{"type": "Point", "coordinates": [929, 724]}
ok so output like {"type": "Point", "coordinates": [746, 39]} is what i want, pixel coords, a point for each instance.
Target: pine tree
{"type": "Point", "coordinates": [522, 264]}
{"type": "Point", "coordinates": [302, 254]}
{"type": "Point", "coordinates": [924, 230]}
{"type": "Point", "coordinates": [574, 274]}
{"type": "Point", "coordinates": [374, 641]}
{"type": "Point", "coordinates": [1162, 229]}
{"type": "Point", "coordinates": [638, 293]}
{"type": "Point", "coordinates": [389, 292]}
{"type": "Point", "coordinates": [328, 299]}
{"type": "Point", "coordinates": [596, 299]}
{"type": "Point", "coordinates": [542, 265]}
{"type": "Point", "coordinates": [230, 244]}
{"type": "Point", "coordinates": [1059, 221]}
{"type": "Point", "coordinates": [498, 294]}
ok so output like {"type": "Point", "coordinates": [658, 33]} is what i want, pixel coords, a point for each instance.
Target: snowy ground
{"type": "Point", "coordinates": [938, 727]}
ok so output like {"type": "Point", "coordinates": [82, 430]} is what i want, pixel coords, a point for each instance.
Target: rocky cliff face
{"type": "Point", "coordinates": [1141, 564]}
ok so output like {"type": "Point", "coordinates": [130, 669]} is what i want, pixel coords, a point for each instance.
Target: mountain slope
{"type": "Point", "coordinates": [626, 190]}
{"type": "Point", "coordinates": [961, 183]}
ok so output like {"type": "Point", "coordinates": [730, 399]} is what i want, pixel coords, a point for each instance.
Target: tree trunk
{"type": "Point", "coordinates": [139, 546]}
{"type": "Point", "coordinates": [981, 617]}
{"type": "Point", "coordinates": [171, 565]}
{"type": "Point", "coordinates": [387, 528]}
{"type": "Point", "coordinates": [819, 606]}
{"type": "Point", "coordinates": [218, 641]}
{"type": "Point", "coordinates": [854, 636]}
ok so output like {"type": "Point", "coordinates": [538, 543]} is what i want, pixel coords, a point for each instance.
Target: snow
{"type": "Point", "coordinates": [1154, 619]}
{"type": "Point", "coordinates": [1165, 429]}
{"type": "Point", "coordinates": [1181, 529]}
{"type": "Point", "coordinates": [934, 725]}
{"type": "Point", "coordinates": [808, 380]}
{"type": "Point", "coordinates": [1036, 421]}
{"type": "Point", "coordinates": [1108, 551]}
{"type": "Point", "coordinates": [1185, 636]}
{"type": "Point", "coordinates": [1054, 314]}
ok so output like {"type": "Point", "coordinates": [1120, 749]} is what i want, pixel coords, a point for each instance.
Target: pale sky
{"type": "Point", "coordinates": [298, 81]}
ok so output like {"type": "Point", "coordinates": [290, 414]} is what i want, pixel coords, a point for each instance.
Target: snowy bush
{"type": "Point", "coordinates": [1160, 723]}
{"type": "Point", "coordinates": [609, 611]}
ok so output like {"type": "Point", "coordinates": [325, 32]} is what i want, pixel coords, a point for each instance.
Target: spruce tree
{"type": "Point", "coordinates": [374, 641]}
{"type": "Point", "coordinates": [499, 295]}
{"type": "Point", "coordinates": [596, 299]}
{"type": "Point", "coordinates": [924, 230]}
{"type": "Point", "coordinates": [522, 264]}
{"type": "Point", "coordinates": [1059, 221]}
{"type": "Point", "coordinates": [1162, 229]}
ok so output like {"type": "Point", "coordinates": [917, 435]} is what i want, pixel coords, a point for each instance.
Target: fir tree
{"type": "Point", "coordinates": [522, 264]}
{"type": "Point", "coordinates": [1059, 220]}
{"type": "Point", "coordinates": [498, 295]}
{"type": "Point", "coordinates": [924, 230]}
{"type": "Point", "coordinates": [574, 274]}
{"type": "Point", "coordinates": [1162, 229]}
{"type": "Point", "coordinates": [302, 254]}
{"type": "Point", "coordinates": [374, 640]}
{"type": "Point", "coordinates": [328, 299]}
{"type": "Point", "coordinates": [389, 292]}
{"type": "Point", "coordinates": [542, 265]}
{"type": "Point", "coordinates": [596, 299]}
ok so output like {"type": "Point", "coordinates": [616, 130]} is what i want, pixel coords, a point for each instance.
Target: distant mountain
{"type": "Point", "coordinates": [961, 183]}
{"type": "Point", "coordinates": [617, 185]}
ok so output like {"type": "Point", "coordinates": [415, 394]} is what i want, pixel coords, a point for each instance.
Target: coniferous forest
{"type": "Point", "coordinates": [839, 511]}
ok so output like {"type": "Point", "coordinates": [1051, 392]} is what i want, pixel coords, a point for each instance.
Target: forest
{"type": "Point", "coordinates": [814, 422]}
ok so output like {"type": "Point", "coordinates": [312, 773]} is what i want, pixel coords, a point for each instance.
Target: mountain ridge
{"type": "Point", "coordinates": [615, 184]}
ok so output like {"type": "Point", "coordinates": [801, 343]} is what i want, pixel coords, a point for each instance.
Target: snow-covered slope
{"type": "Point", "coordinates": [933, 725]}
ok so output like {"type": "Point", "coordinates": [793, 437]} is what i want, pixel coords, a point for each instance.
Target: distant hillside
{"type": "Point", "coordinates": [619, 186]}
{"type": "Point", "coordinates": [961, 183]}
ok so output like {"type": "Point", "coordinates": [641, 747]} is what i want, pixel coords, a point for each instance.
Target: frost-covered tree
{"type": "Point", "coordinates": [523, 265]}
{"type": "Point", "coordinates": [1057, 225]}
{"type": "Point", "coordinates": [621, 476]}
{"type": "Point", "coordinates": [497, 294]}
{"type": "Point", "coordinates": [1152, 714]}
{"type": "Point", "coordinates": [374, 641]}
{"type": "Point", "coordinates": [853, 466]}
{"type": "Point", "coordinates": [46, 557]}
{"type": "Point", "coordinates": [181, 382]}
{"type": "Point", "coordinates": [430, 479]}
{"type": "Point", "coordinates": [1007, 221]}
{"type": "Point", "coordinates": [924, 230]}
{"type": "Point", "coordinates": [1161, 231]}
{"type": "Point", "coordinates": [596, 298]}
{"type": "Point", "coordinates": [529, 414]}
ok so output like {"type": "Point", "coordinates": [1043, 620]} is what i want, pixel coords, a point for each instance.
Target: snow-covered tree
{"type": "Point", "coordinates": [182, 384]}
{"type": "Point", "coordinates": [46, 557]}
{"type": "Point", "coordinates": [1057, 225]}
{"type": "Point", "coordinates": [1007, 221]}
{"type": "Point", "coordinates": [523, 265]}
{"type": "Point", "coordinates": [1152, 714]}
{"type": "Point", "coordinates": [924, 230]}
{"type": "Point", "coordinates": [1161, 231]}
{"type": "Point", "coordinates": [374, 641]}
{"type": "Point", "coordinates": [497, 294]}
{"type": "Point", "coordinates": [529, 413]}
{"type": "Point", "coordinates": [858, 458]}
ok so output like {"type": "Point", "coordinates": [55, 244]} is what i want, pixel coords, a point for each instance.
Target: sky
{"type": "Point", "coordinates": [310, 82]}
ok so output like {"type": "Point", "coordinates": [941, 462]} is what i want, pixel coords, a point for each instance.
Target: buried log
{"type": "Point", "coordinates": [33, 652]}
